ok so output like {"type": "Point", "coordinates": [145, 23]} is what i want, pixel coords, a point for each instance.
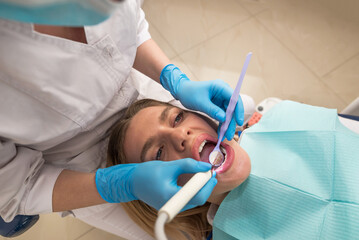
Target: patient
{"type": "Point", "coordinates": [152, 130]}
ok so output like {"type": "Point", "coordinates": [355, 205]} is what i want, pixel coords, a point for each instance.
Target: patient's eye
{"type": "Point", "coordinates": [178, 118]}
{"type": "Point", "coordinates": [159, 153]}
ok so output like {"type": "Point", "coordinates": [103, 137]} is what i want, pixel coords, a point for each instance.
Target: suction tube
{"type": "Point", "coordinates": [178, 201]}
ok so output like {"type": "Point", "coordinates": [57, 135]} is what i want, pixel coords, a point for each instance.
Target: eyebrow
{"type": "Point", "coordinates": [149, 143]}
{"type": "Point", "coordinates": [164, 114]}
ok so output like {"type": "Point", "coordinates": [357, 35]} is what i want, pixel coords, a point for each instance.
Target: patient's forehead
{"type": "Point", "coordinates": [145, 119]}
{"type": "Point", "coordinates": [149, 115]}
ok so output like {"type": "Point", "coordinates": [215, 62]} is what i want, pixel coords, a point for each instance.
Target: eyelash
{"type": "Point", "coordinates": [177, 119]}
{"type": "Point", "coordinates": [158, 154]}
{"type": "Point", "coordinates": [179, 115]}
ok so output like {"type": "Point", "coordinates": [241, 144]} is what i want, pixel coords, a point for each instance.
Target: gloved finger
{"type": "Point", "coordinates": [219, 128]}
{"type": "Point", "coordinates": [231, 129]}
{"type": "Point", "coordinates": [220, 124]}
{"type": "Point", "coordinates": [239, 112]}
{"type": "Point", "coordinates": [221, 93]}
{"type": "Point", "coordinates": [188, 206]}
{"type": "Point", "coordinates": [188, 165]}
{"type": "Point", "coordinates": [201, 197]}
{"type": "Point", "coordinates": [214, 111]}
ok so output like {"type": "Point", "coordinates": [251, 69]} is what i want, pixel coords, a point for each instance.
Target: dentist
{"type": "Point", "coordinates": [65, 77]}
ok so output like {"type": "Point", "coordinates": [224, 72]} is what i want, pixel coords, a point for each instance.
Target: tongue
{"type": "Point", "coordinates": [207, 149]}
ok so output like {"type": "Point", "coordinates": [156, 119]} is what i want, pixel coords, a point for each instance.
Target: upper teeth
{"type": "Point", "coordinates": [223, 150]}
{"type": "Point", "coordinates": [201, 146]}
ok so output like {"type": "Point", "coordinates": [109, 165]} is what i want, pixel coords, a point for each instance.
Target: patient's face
{"type": "Point", "coordinates": [169, 133]}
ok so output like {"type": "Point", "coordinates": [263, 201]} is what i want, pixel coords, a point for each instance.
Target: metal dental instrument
{"type": "Point", "coordinates": [195, 184]}
{"type": "Point", "coordinates": [216, 156]}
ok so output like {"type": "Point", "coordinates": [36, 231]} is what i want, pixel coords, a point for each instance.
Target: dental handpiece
{"type": "Point", "coordinates": [179, 200]}
{"type": "Point", "coordinates": [216, 157]}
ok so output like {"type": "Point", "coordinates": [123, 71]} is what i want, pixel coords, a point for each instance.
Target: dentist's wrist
{"type": "Point", "coordinates": [171, 79]}
{"type": "Point", "coordinates": [114, 184]}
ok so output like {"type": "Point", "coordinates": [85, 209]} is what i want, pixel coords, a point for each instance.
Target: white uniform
{"type": "Point", "coordinates": [58, 99]}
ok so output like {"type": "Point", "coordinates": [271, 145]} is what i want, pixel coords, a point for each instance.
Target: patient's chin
{"type": "Point", "coordinates": [217, 198]}
{"type": "Point", "coordinates": [242, 169]}
{"type": "Point", "coordinates": [237, 173]}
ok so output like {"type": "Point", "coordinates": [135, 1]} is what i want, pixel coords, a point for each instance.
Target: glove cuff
{"type": "Point", "coordinates": [100, 183]}
{"type": "Point", "coordinates": [114, 183]}
{"type": "Point", "coordinates": [171, 78]}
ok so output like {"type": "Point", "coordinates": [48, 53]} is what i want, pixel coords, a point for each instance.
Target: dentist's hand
{"type": "Point", "coordinates": [210, 97]}
{"type": "Point", "coordinates": [153, 182]}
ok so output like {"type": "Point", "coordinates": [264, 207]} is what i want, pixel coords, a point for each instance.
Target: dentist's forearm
{"type": "Point", "coordinates": [150, 60]}
{"type": "Point", "coordinates": [74, 190]}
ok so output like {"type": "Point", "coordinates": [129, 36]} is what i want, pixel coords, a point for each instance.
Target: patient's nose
{"type": "Point", "coordinates": [180, 138]}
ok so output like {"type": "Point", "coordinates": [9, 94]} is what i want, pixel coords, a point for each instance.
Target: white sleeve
{"type": "Point", "coordinates": [26, 183]}
{"type": "Point", "coordinates": [142, 27]}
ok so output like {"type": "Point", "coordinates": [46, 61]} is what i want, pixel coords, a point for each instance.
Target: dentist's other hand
{"type": "Point", "coordinates": [211, 97]}
{"type": "Point", "coordinates": [153, 182]}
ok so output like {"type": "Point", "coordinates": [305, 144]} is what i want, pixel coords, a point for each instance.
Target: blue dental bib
{"type": "Point", "coordinates": [304, 182]}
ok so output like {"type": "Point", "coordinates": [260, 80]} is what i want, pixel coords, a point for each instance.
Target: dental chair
{"type": "Point", "coordinates": [350, 112]}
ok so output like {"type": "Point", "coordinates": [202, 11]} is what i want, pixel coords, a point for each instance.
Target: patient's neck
{"type": "Point", "coordinates": [76, 34]}
{"type": "Point", "coordinates": [217, 199]}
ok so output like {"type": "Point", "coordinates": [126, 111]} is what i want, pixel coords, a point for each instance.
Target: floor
{"type": "Point", "coordinates": [307, 51]}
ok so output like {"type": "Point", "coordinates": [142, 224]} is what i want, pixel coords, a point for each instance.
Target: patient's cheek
{"type": "Point", "coordinates": [183, 178]}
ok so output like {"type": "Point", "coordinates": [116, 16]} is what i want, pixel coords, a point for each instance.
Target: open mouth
{"type": "Point", "coordinates": [204, 144]}
{"type": "Point", "coordinates": [205, 149]}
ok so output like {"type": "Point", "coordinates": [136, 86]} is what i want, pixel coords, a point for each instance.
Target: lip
{"type": "Point", "coordinates": [230, 156]}
{"type": "Point", "coordinates": [197, 143]}
{"type": "Point", "coordinates": [230, 152]}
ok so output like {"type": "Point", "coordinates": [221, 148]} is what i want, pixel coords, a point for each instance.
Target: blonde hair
{"type": "Point", "coordinates": [189, 224]}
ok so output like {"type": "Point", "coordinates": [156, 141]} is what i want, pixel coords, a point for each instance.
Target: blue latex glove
{"type": "Point", "coordinates": [210, 97]}
{"type": "Point", "coordinates": [153, 182]}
